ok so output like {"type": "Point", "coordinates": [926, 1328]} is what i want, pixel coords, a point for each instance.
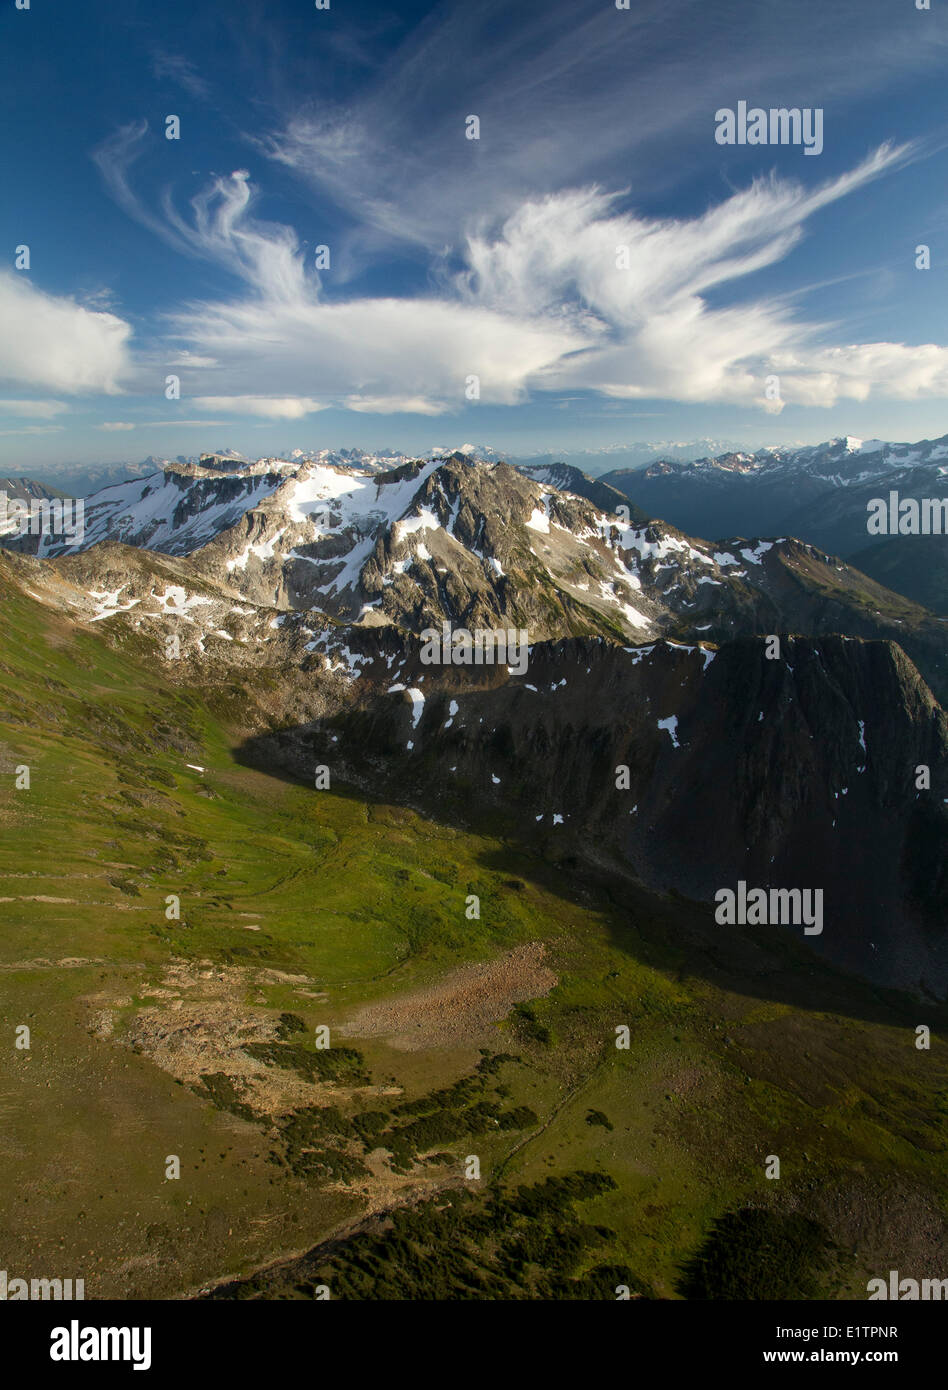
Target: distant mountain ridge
{"type": "Point", "coordinates": [631, 456]}
{"type": "Point", "coordinates": [819, 493]}
{"type": "Point", "coordinates": [81, 479]}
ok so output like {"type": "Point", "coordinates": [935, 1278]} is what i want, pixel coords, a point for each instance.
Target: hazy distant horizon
{"type": "Point", "coordinates": [634, 454]}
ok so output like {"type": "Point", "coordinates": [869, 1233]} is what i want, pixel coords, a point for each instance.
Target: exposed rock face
{"type": "Point", "coordinates": [482, 544]}
{"type": "Point", "coordinates": [795, 587]}
{"type": "Point", "coordinates": [454, 538]}
{"type": "Point", "coordinates": [791, 773]}
{"type": "Point", "coordinates": [174, 511]}
{"type": "Point", "coordinates": [305, 589]}
{"type": "Point", "coordinates": [565, 478]}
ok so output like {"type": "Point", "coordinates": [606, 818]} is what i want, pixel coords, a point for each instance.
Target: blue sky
{"type": "Point", "coordinates": [453, 259]}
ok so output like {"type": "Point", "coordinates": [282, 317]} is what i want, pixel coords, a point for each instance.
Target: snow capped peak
{"type": "Point", "coordinates": [840, 462]}
{"type": "Point", "coordinates": [471, 451]}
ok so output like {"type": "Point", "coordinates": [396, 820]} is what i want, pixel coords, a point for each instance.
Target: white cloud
{"type": "Point", "coordinates": [543, 305]}
{"type": "Point", "coordinates": [639, 287]}
{"type": "Point", "coordinates": [35, 429]}
{"type": "Point", "coordinates": [115, 425]}
{"type": "Point", "coordinates": [420, 350]}
{"type": "Point", "coordinates": [570, 94]}
{"type": "Point", "coordinates": [540, 305]}
{"type": "Point", "coordinates": [53, 342]}
{"type": "Point", "coordinates": [190, 359]}
{"type": "Point", "coordinates": [271, 407]}
{"type": "Point", "coordinates": [36, 410]}
{"type": "Point", "coordinates": [861, 370]}
{"type": "Point", "coordinates": [395, 405]}
{"type": "Point", "coordinates": [168, 422]}
{"type": "Point", "coordinates": [266, 255]}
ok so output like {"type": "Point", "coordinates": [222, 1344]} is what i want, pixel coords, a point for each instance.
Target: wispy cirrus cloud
{"type": "Point", "coordinates": [179, 69]}
{"type": "Point", "coordinates": [35, 410]}
{"type": "Point", "coordinates": [269, 407]}
{"type": "Point", "coordinates": [568, 92]}
{"type": "Point", "coordinates": [567, 292]}
{"type": "Point", "coordinates": [519, 232]}
{"type": "Point", "coordinates": [489, 264]}
{"type": "Point", "coordinates": [34, 429]}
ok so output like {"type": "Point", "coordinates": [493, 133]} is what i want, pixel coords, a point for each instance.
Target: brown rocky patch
{"type": "Point", "coordinates": [461, 1007]}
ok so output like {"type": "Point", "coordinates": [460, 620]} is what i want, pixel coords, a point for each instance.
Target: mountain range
{"type": "Point", "coordinates": [650, 649]}
{"type": "Point", "coordinates": [252, 801]}
{"type": "Point", "coordinates": [817, 493]}
{"type": "Point", "coordinates": [81, 479]}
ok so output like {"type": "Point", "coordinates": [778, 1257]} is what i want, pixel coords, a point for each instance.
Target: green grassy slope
{"type": "Point", "coordinates": [298, 907]}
